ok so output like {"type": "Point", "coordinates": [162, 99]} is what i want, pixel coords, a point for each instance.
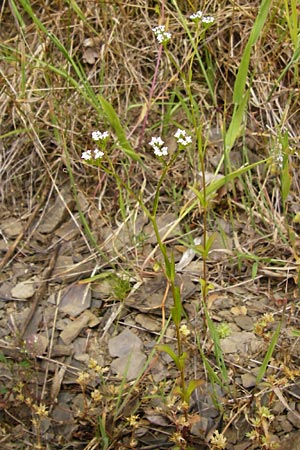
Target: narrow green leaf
{"type": "Point", "coordinates": [181, 361]}
{"type": "Point", "coordinates": [214, 186]}
{"type": "Point", "coordinates": [217, 346]}
{"type": "Point", "coordinates": [286, 181]}
{"type": "Point", "coordinates": [234, 129]}
{"type": "Point", "coordinates": [210, 241]}
{"type": "Point", "coordinates": [193, 384]}
{"type": "Point", "coordinates": [99, 276]}
{"type": "Point", "coordinates": [241, 78]}
{"type": "Point", "coordinates": [254, 269]}
{"type": "Point", "coordinates": [115, 123]}
{"type": "Point", "coordinates": [267, 358]}
{"type": "Point", "coordinates": [167, 349]}
{"type": "Point", "coordinates": [177, 309]}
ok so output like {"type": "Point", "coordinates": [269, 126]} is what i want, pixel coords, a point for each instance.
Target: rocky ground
{"type": "Point", "coordinates": [57, 320]}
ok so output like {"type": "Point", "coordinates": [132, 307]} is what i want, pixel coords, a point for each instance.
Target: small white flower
{"type": "Point", "coordinates": [185, 142]}
{"type": "Point", "coordinates": [163, 38]}
{"type": "Point", "coordinates": [160, 151]}
{"type": "Point", "coordinates": [158, 30]}
{"type": "Point", "coordinates": [98, 136]}
{"type": "Point", "coordinates": [196, 16]}
{"type": "Point", "coordinates": [161, 35]}
{"type": "Point", "coordinates": [208, 19]}
{"type": "Point", "coordinates": [183, 138]}
{"type": "Point", "coordinates": [156, 142]}
{"type": "Point", "coordinates": [180, 133]}
{"type": "Point", "coordinates": [98, 153]}
{"type": "Point", "coordinates": [87, 155]}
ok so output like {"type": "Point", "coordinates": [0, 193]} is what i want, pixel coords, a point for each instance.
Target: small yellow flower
{"type": "Point", "coordinates": [170, 402]}
{"type": "Point", "coordinates": [113, 390]}
{"type": "Point", "coordinates": [18, 387]}
{"type": "Point", "coordinates": [41, 410]}
{"type": "Point", "coordinates": [92, 363]}
{"type": "Point", "coordinates": [83, 378]}
{"type": "Point", "coordinates": [178, 439]}
{"type": "Point", "coordinates": [218, 440]}
{"type": "Point", "coordinates": [20, 397]}
{"type": "Point", "coordinates": [133, 420]}
{"type": "Point", "coordinates": [263, 411]}
{"type": "Point", "coordinates": [184, 331]}
{"type": "Point", "coordinates": [96, 396]}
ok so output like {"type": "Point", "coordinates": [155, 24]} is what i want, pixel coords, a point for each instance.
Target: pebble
{"type": "Point", "coordinates": [124, 343]}
{"type": "Point", "coordinates": [244, 322]}
{"type": "Point", "coordinates": [129, 365]}
{"type": "Point", "coordinates": [24, 289]}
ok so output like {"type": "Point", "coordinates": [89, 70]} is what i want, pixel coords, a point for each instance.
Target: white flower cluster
{"type": "Point", "coordinates": [157, 144]}
{"type": "Point", "coordinates": [182, 138]}
{"type": "Point", "coordinates": [96, 153]}
{"type": "Point", "coordinates": [278, 157]}
{"type": "Point", "coordinates": [161, 34]}
{"type": "Point", "coordinates": [89, 154]}
{"type": "Point", "coordinates": [98, 136]}
{"type": "Point", "coordinates": [208, 19]}
{"type": "Point", "coordinates": [198, 16]}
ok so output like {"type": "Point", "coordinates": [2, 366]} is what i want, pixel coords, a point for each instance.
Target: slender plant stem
{"type": "Point", "coordinates": [153, 85]}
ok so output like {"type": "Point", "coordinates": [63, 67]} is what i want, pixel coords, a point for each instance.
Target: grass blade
{"type": "Point", "coordinates": [268, 355]}
{"type": "Point", "coordinates": [241, 78]}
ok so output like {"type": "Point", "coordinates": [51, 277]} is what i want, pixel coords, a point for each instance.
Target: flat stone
{"type": "Point", "coordinates": [159, 371]}
{"type": "Point", "coordinates": [291, 442]}
{"type": "Point", "coordinates": [67, 231]}
{"type": "Point", "coordinates": [200, 426]}
{"type": "Point", "coordinates": [61, 350]}
{"type": "Point", "coordinates": [74, 328]}
{"type": "Point", "coordinates": [5, 292]}
{"type": "Point", "coordinates": [103, 288]}
{"type": "Point", "coordinates": [67, 270]}
{"type": "Point", "coordinates": [164, 222]}
{"type": "Point", "coordinates": [123, 344]}
{"type": "Point", "coordinates": [64, 420]}
{"type": "Point", "coordinates": [248, 380]}
{"type": "Point", "coordinates": [82, 357]}
{"type": "Point", "coordinates": [294, 418]}
{"type": "Point", "coordinates": [63, 265]}
{"type": "Point", "coordinates": [240, 310]}
{"type": "Point", "coordinates": [24, 289]}
{"type": "Point", "coordinates": [55, 215]}
{"type": "Point", "coordinates": [11, 227]}
{"type": "Point", "coordinates": [283, 424]}
{"type": "Point", "coordinates": [148, 322]}
{"type": "Point", "coordinates": [75, 300]}
{"type": "Point", "coordinates": [129, 365]}
{"type": "Point", "coordinates": [244, 322]}
{"type": "Point", "coordinates": [240, 342]}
